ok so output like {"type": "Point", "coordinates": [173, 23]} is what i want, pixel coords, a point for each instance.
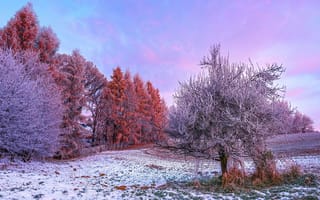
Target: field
{"type": "Point", "coordinates": [150, 173]}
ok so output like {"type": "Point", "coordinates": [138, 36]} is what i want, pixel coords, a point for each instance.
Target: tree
{"type": "Point", "coordinates": [226, 110]}
{"type": "Point", "coordinates": [284, 113]}
{"type": "Point", "coordinates": [47, 44]}
{"type": "Point", "coordinates": [30, 109]}
{"type": "Point", "coordinates": [117, 87]}
{"type": "Point", "coordinates": [104, 121]}
{"type": "Point", "coordinates": [142, 110]}
{"type": "Point", "coordinates": [94, 84]}
{"type": "Point", "coordinates": [157, 113]}
{"type": "Point", "coordinates": [21, 31]}
{"type": "Point", "coordinates": [1, 40]}
{"type": "Point", "coordinates": [301, 123]}
{"type": "Point", "coordinates": [68, 72]}
{"type": "Point", "coordinates": [130, 103]}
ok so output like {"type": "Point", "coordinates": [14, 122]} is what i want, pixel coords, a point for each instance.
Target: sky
{"type": "Point", "coordinates": [164, 40]}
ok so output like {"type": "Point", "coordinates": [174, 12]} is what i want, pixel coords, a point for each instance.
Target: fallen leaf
{"type": "Point", "coordinates": [121, 187]}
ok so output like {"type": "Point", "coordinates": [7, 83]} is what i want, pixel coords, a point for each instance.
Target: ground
{"type": "Point", "coordinates": [148, 173]}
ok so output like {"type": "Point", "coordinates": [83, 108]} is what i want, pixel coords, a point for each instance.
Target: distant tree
{"type": "Point", "coordinates": [30, 108]}
{"type": "Point", "coordinates": [284, 114]}
{"type": "Point", "coordinates": [47, 44]}
{"type": "Point", "coordinates": [68, 72]}
{"type": "Point", "coordinates": [301, 123]}
{"type": "Point", "coordinates": [226, 110]}
{"type": "Point", "coordinates": [307, 124]}
{"type": "Point", "coordinates": [21, 31]}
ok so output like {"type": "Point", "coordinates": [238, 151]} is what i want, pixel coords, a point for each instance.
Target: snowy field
{"type": "Point", "coordinates": [131, 174]}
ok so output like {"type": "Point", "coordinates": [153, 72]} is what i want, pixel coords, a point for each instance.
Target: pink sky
{"type": "Point", "coordinates": [165, 40]}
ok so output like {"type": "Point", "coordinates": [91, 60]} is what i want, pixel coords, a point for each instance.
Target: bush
{"type": "Point", "coordinates": [233, 178]}
{"type": "Point", "coordinates": [292, 174]}
{"type": "Point", "coordinates": [266, 172]}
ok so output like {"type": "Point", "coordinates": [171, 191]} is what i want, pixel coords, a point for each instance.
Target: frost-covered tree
{"type": "Point", "coordinates": [142, 110]}
{"type": "Point", "coordinates": [117, 88]}
{"type": "Point", "coordinates": [226, 110]}
{"type": "Point", "coordinates": [47, 44]}
{"type": "Point", "coordinates": [130, 104]}
{"type": "Point", "coordinates": [94, 84]}
{"type": "Point", "coordinates": [157, 113]}
{"type": "Point", "coordinates": [21, 31]}
{"type": "Point", "coordinates": [68, 72]}
{"type": "Point", "coordinates": [301, 123]}
{"type": "Point", "coordinates": [284, 113]}
{"type": "Point", "coordinates": [30, 107]}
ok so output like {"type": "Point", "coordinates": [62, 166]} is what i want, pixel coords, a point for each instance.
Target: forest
{"type": "Point", "coordinates": [62, 103]}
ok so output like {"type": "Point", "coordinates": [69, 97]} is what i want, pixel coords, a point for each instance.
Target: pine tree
{"type": "Point", "coordinates": [21, 31]}
{"type": "Point", "coordinates": [117, 87]}
{"type": "Point", "coordinates": [47, 44]}
{"type": "Point", "coordinates": [157, 113]}
{"type": "Point", "coordinates": [142, 110]}
{"type": "Point", "coordinates": [95, 82]}
{"type": "Point", "coordinates": [69, 76]}
{"type": "Point", "coordinates": [130, 109]}
{"type": "Point", "coordinates": [104, 129]}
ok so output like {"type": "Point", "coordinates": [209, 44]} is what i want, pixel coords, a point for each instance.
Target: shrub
{"type": "Point", "coordinates": [233, 178]}
{"type": "Point", "coordinates": [266, 172]}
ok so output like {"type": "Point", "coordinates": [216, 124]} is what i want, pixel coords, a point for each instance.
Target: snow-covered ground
{"type": "Point", "coordinates": [130, 174]}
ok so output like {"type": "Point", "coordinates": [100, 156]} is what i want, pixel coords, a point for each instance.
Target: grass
{"type": "Point", "coordinates": [292, 182]}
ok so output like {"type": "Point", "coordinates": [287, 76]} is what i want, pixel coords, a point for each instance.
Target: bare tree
{"type": "Point", "coordinates": [226, 110]}
{"type": "Point", "coordinates": [30, 111]}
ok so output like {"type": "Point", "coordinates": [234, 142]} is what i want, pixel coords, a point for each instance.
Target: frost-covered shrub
{"type": "Point", "coordinates": [30, 112]}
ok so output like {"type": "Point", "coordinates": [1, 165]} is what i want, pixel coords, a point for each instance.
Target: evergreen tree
{"type": "Point", "coordinates": [70, 78]}
{"type": "Point", "coordinates": [130, 109]}
{"type": "Point", "coordinates": [142, 110]}
{"type": "Point", "coordinates": [21, 31]}
{"type": "Point", "coordinates": [157, 113]}
{"type": "Point", "coordinates": [117, 87]}
{"type": "Point", "coordinates": [95, 82]}
{"type": "Point", "coordinates": [47, 44]}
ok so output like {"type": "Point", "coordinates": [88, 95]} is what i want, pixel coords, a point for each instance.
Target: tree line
{"type": "Point", "coordinates": [51, 102]}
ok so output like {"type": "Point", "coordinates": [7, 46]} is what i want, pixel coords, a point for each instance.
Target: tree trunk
{"type": "Point", "coordinates": [223, 161]}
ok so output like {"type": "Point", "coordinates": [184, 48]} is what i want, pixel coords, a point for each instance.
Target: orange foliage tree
{"type": "Point", "coordinates": [68, 73]}
{"type": "Point", "coordinates": [117, 87]}
{"type": "Point", "coordinates": [21, 31]}
{"type": "Point", "coordinates": [158, 111]}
